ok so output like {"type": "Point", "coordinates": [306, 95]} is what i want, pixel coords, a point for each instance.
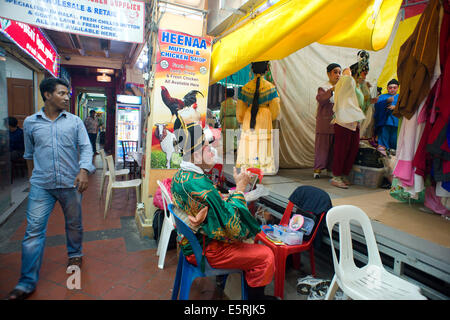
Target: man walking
{"type": "Point", "coordinates": [91, 124]}
{"type": "Point", "coordinates": [59, 155]}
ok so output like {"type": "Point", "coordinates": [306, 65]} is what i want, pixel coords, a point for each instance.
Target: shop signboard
{"type": "Point", "coordinates": [121, 20]}
{"type": "Point", "coordinates": [31, 40]}
{"type": "Point", "coordinates": [180, 90]}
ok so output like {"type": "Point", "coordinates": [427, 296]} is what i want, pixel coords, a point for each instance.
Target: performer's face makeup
{"type": "Point", "coordinates": [209, 155]}
{"type": "Point", "coordinates": [362, 76]}
{"type": "Point", "coordinates": [334, 75]}
{"type": "Point", "coordinates": [392, 89]}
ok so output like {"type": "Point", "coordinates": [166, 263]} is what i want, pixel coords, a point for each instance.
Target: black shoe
{"type": "Point", "coordinates": [220, 281]}
{"type": "Point", "coordinates": [76, 261]}
{"type": "Point", "coordinates": [18, 294]}
{"type": "Point", "coordinates": [257, 293]}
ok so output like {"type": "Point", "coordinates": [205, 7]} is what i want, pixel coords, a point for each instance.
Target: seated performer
{"type": "Point", "coordinates": [257, 106]}
{"type": "Point", "coordinates": [228, 223]}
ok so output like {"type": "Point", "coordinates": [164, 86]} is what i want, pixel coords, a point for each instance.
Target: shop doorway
{"type": "Point", "coordinates": [20, 99]}
{"type": "Point", "coordinates": [93, 99]}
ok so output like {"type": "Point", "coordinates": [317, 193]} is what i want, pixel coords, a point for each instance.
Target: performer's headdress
{"type": "Point", "coordinates": [362, 64]}
{"type": "Point", "coordinates": [191, 137]}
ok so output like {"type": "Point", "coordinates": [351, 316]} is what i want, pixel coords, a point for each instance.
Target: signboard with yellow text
{"type": "Point", "coordinates": [180, 91]}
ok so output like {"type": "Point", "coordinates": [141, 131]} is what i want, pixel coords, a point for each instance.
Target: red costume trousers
{"type": "Point", "coordinates": [256, 260]}
{"type": "Point", "coordinates": [346, 146]}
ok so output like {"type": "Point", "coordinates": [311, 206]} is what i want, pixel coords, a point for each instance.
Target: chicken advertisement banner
{"type": "Point", "coordinates": [180, 91]}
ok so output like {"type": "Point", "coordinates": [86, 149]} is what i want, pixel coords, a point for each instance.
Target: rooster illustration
{"type": "Point", "coordinates": [175, 104]}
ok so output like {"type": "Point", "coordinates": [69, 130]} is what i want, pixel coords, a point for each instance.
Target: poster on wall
{"type": "Point", "coordinates": [180, 90]}
{"type": "Point", "coordinates": [121, 20]}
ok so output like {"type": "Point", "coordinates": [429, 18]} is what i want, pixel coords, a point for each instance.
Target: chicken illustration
{"type": "Point", "coordinates": [175, 104]}
{"type": "Point", "coordinates": [190, 99]}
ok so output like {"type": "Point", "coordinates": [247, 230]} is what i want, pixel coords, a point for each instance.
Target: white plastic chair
{"type": "Point", "coordinates": [373, 281]}
{"type": "Point", "coordinates": [106, 173]}
{"type": "Point", "coordinates": [167, 227]}
{"type": "Point", "coordinates": [113, 184]}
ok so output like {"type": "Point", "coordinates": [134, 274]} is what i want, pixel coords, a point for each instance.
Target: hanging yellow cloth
{"type": "Point", "coordinates": [405, 29]}
{"type": "Point", "coordinates": [290, 25]}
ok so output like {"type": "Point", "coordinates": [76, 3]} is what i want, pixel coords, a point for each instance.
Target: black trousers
{"type": "Point", "coordinates": [93, 139]}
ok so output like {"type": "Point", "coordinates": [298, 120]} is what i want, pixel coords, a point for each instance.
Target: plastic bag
{"type": "Point", "coordinates": [258, 192]}
{"type": "Point", "coordinates": [398, 193]}
{"type": "Point", "coordinates": [157, 197]}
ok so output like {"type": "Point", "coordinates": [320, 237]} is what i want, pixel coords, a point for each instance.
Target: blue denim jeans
{"type": "Point", "coordinates": [40, 204]}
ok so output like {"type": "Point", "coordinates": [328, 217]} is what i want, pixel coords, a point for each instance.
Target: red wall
{"type": "Point", "coordinates": [412, 9]}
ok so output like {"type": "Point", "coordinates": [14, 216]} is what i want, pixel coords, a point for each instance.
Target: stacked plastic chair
{"type": "Point", "coordinates": [168, 226]}
{"type": "Point", "coordinates": [107, 173]}
{"type": "Point", "coordinates": [372, 281]}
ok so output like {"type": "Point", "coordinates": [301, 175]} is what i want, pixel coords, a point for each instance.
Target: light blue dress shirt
{"type": "Point", "coordinates": [58, 148]}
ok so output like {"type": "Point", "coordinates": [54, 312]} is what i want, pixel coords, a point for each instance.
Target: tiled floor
{"type": "Point", "coordinates": [117, 264]}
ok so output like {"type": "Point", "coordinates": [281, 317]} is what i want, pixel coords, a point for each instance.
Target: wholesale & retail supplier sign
{"type": "Point", "coordinates": [31, 40]}
{"type": "Point", "coordinates": [121, 20]}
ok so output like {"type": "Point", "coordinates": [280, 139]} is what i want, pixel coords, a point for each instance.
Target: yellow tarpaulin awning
{"type": "Point", "coordinates": [405, 29]}
{"type": "Point", "coordinates": [290, 25]}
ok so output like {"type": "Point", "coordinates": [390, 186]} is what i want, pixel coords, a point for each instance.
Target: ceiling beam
{"type": "Point", "coordinates": [97, 54]}
{"type": "Point", "coordinates": [87, 61]}
{"type": "Point", "coordinates": [81, 48]}
{"type": "Point", "coordinates": [131, 53]}
{"type": "Point", "coordinates": [75, 41]}
{"type": "Point", "coordinates": [63, 51]}
{"type": "Point", "coordinates": [105, 45]}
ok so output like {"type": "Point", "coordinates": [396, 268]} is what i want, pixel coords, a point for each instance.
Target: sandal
{"type": "Point", "coordinates": [319, 291]}
{"type": "Point", "coordinates": [337, 182]}
{"type": "Point", "coordinates": [305, 285]}
{"type": "Point", "coordinates": [18, 294]}
{"type": "Point", "coordinates": [316, 174]}
{"type": "Point", "coordinates": [346, 181]}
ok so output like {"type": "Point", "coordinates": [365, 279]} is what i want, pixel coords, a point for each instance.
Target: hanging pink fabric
{"type": "Point", "coordinates": [433, 202]}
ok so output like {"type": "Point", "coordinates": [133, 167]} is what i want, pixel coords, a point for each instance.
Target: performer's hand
{"type": "Point", "coordinates": [346, 72]}
{"type": "Point", "coordinates": [242, 179]}
{"type": "Point", "coordinates": [390, 99]}
{"type": "Point", "coordinates": [199, 218]}
{"type": "Point", "coordinates": [391, 107]}
{"type": "Point", "coordinates": [225, 196]}
{"type": "Point", "coordinates": [374, 100]}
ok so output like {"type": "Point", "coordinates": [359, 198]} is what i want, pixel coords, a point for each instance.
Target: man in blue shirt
{"type": "Point", "coordinates": [386, 124]}
{"type": "Point", "coordinates": [59, 155]}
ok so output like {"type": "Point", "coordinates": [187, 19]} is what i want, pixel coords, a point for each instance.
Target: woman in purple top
{"type": "Point", "coordinates": [324, 128]}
